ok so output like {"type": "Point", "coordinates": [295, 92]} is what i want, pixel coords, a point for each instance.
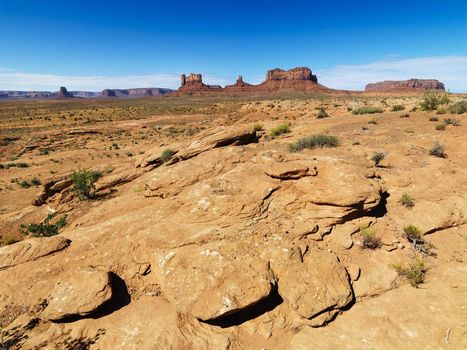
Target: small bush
{"type": "Point", "coordinates": [167, 155]}
{"type": "Point", "coordinates": [440, 127]}
{"type": "Point", "coordinates": [369, 238]}
{"type": "Point", "coordinates": [322, 113]}
{"type": "Point", "coordinates": [405, 115]}
{"type": "Point", "coordinates": [283, 128]}
{"type": "Point", "coordinates": [258, 127]}
{"type": "Point", "coordinates": [397, 108]}
{"type": "Point", "coordinates": [314, 141]}
{"type": "Point", "coordinates": [437, 150]}
{"type": "Point", "coordinates": [44, 229]}
{"type": "Point", "coordinates": [407, 200]}
{"type": "Point", "coordinates": [433, 118]}
{"type": "Point", "coordinates": [431, 101]}
{"type": "Point", "coordinates": [458, 107]}
{"type": "Point", "coordinates": [25, 184]}
{"type": "Point", "coordinates": [373, 121]}
{"type": "Point", "coordinates": [441, 110]}
{"type": "Point", "coordinates": [83, 183]}
{"type": "Point", "coordinates": [22, 165]}
{"type": "Point", "coordinates": [378, 157]}
{"type": "Point", "coordinates": [367, 110]}
{"type": "Point", "coordinates": [451, 121]}
{"type": "Point", "coordinates": [413, 234]}
{"type": "Point", "coordinates": [414, 273]}
{"type": "Point", "coordinates": [36, 182]}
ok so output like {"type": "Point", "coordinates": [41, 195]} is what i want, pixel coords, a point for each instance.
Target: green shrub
{"type": "Point", "coordinates": [44, 229]}
{"type": "Point", "coordinates": [25, 184]}
{"type": "Point", "coordinates": [22, 165]}
{"type": "Point", "coordinates": [378, 157]}
{"type": "Point", "coordinates": [369, 238]}
{"type": "Point", "coordinates": [322, 113]}
{"type": "Point", "coordinates": [433, 118]}
{"type": "Point", "coordinates": [413, 234]}
{"type": "Point", "coordinates": [314, 141]}
{"type": "Point", "coordinates": [407, 200]}
{"type": "Point", "coordinates": [437, 150]}
{"type": "Point", "coordinates": [397, 108]}
{"type": "Point", "coordinates": [367, 110]}
{"type": "Point", "coordinates": [414, 273]}
{"type": "Point", "coordinates": [458, 107]}
{"type": "Point", "coordinates": [167, 155]}
{"type": "Point", "coordinates": [83, 183]}
{"type": "Point", "coordinates": [441, 110]}
{"type": "Point", "coordinates": [283, 128]}
{"type": "Point", "coordinates": [36, 182]}
{"type": "Point", "coordinates": [431, 101]}
{"type": "Point", "coordinates": [440, 127]}
{"type": "Point", "coordinates": [258, 127]}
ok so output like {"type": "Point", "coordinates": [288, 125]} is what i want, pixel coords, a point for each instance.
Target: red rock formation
{"type": "Point", "coordinates": [299, 73]}
{"type": "Point", "coordinates": [194, 83]}
{"type": "Point", "coordinates": [239, 85]}
{"type": "Point", "coordinates": [406, 85]}
{"type": "Point", "coordinates": [300, 78]}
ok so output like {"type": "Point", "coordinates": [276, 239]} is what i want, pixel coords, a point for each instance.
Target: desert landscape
{"type": "Point", "coordinates": [233, 175]}
{"type": "Point", "coordinates": [284, 215]}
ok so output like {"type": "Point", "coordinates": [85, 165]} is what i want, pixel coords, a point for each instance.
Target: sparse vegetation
{"type": "Point", "coordinates": [452, 121]}
{"type": "Point", "coordinates": [8, 239]}
{"type": "Point", "coordinates": [83, 183]}
{"type": "Point", "coordinates": [414, 273]}
{"type": "Point", "coordinates": [413, 234]}
{"type": "Point", "coordinates": [432, 100]}
{"type": "Point", "coordinates": [322, 113]}
{"type": "Point", "coordinates": [258, 127]}
{"type": "Point", "coordinates": [367, 110]}
{"type": "Point", "coordinates": [281, 129]}
{"type": "Point", "coordinates": [458, 107]}
{"type": "Point", "coordinates": [378, 157]}
{"type": "Point", "coordinates": [44, 229]}
{"type": "Point", "coordinates": [407, 200]}
{"type": "Point", "coordinates": [36, 182]}
{"type": "Point", "coordinates": [433, 118]}
{"type": "Point", "coordinates": [314, 141]}
{"type": "Point", "coordinates": [440, 127]}
{"type": "Point", "coordinates": [167, 155]}
{"type": "Point", "coordinates": [405, 115]}
{"type": "Point", "coordinates": [369, 238]}
{"type": "Point", "coordinates": [25, 184]}
{"type": "Point", "coordinates": [441, 110]}
{"type": "Point", "coordinates": [397, 108]}
{"type": "Point", "coordinates": [373, 121]}
{"type": "Point", "coordinates": [437, 150]}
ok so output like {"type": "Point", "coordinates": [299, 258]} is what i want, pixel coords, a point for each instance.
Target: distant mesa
{"type": "Point", "coordinates": [193, 82]}
{"type": "Point", "coordinates": [63, 93]}
{"type": "Point", "coordinates": [300, 78]}
{"type": "Point", "coordinates": [405, 85]}
{"type": "Point", "coordinates": [134, 93]}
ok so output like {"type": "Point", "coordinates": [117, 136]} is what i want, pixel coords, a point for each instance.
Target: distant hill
{"type": "Point", "coordinates": [122, 93]}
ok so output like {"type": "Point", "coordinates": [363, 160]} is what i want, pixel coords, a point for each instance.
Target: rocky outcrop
{"type": "Point", "coordinates": [78, 293]}
{"type": "Point", "coordinates": [239, 85]}
{"type": "Point", "coordinates": [63, 93]}
{"type": "Point", "coordinates": [31, 249]}
{"type": "Point", "coordinates": [406, 85]}
{"type": "Point", "coordinates": [299, 73]}
{"type": "Point", "coordinates": [193, 83]}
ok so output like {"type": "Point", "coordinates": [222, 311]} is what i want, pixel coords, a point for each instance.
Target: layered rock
{"type": "Point", "coordinates": [135, 93]}
{"type": "Point", "coordinates": [63, 93]}
{"type": "Point", "coordinates": [239, 85]}
{"type": "Point", "coordinates": [300, 78]}
{"type": "Point", "coordinates": [406, 85]}
{"type": "Point", "coordinates": [299, 73]}
{"type": "Point", "coordinates": [193, 82]}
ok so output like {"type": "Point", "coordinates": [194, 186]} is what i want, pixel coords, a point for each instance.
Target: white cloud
{"type": "Point", "coordinates": [10, 80]}
{"type": "Point", "coordinates": [451, 70]}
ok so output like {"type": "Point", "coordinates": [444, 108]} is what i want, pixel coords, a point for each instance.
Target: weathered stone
{"type": "Point", "coordinates": [407, 85]}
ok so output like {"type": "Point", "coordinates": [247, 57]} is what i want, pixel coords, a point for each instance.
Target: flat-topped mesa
{"type": "Point", "coordinates": [300, 78]}
{"type": "Point", "coordinates": [299, 73]}
{"type": "Point", "coordinates": [406, 85]}
{"type": "Point", "coordinates": [194, 82]}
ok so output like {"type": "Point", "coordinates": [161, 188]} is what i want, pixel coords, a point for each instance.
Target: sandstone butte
{"type": "Point", "coordinates": [405, 85]}
{"type": "Point", "coordinates": [234, 242]}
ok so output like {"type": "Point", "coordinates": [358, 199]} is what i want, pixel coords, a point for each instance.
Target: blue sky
{"type": "Point", "coordinates": [110, 44]}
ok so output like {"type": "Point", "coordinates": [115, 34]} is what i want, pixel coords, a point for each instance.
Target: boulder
{"type": "Point", "coordinates": [77, 293]}
{"type": "Point", "coordinates": [30, 249]}
{"type": "Point", "coordinates": [213, 279]}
